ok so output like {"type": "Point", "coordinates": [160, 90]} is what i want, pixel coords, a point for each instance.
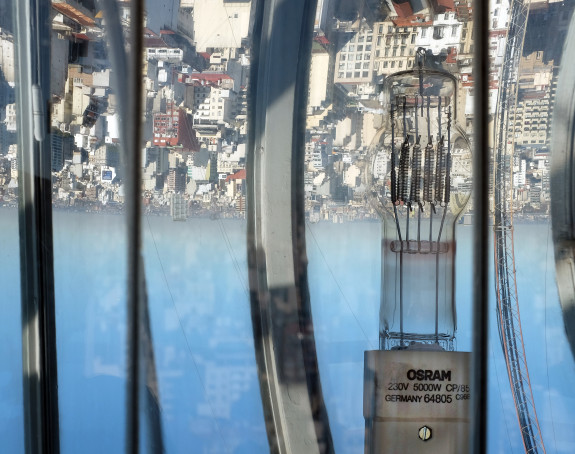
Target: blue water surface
{"type": "Point", "coordinates": [201, 327]}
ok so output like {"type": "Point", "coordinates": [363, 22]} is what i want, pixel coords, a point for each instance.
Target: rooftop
{"type": "Point", "coordinates": [74, 14]}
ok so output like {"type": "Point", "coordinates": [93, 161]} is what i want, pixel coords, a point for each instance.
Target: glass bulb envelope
{"type": "Point", "coordinates": [419, 181]}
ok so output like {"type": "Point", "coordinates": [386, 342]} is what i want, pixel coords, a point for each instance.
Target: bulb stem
{"type": "Point", "coordinates": [408, 211]}
{"type": "Point", "coordinates": [428, 118]}
{"type": "Point", "coordinates": [439, 115]}
{"type": "Point", "coordinates": [416, 122]}
{"type": "Point", "coordinates": [400, 275]}
{"type": "Point", "coordinates": [419, 227]}
{"type": "Point", "coordinates": [437, 275]}
{"type": "Point", "coordinates": [404, 115]}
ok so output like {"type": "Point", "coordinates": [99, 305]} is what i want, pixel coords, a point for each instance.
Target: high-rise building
{"type": "Point", "coordinates": [321, 73]}
{"type": "Point", "coordinates": [220, 23]}
{"type": "Point", "coordinates": [177, 179]}
{"type": "Point", "coordinates": [57, 152]}
{"type": "Point", "coordinates": [174, 128]}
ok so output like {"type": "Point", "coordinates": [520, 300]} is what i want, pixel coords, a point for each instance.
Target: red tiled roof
{"type": "Point", "coordinates": [403, 8]}
{"type": "Point", "coordinates": [178, 131]}
{"type": "Point", "coordinates": [209, 77]}
{"type": "Point", "coordinates": [239, 175]}
{"type": "Point", "coordinates": [417, 20]}
{"type": "Point", "coordinates": [497, 33]}
{"type": "Point", "coordinates": [205, 55]}
{"type": "Point", "coordinates": [81, 36]}
{"type": "Point", "coordinates": [452, 55]}
{"type": "Point", "coordinates": [444, 5]}
{"type": "Point", "coordinates": [153, 42]}
{"type": "Point", "coordinates": [167, 32]}
{"type": "Point", "coordinates": [466, 80]}
{"type": "Point", "coordinates": [197, 83]}
{"type": "Point", "coordinates": [322, 40]}
{"type": "Point", "coordinates": [186, 134]}
{"type": "Point", "coordinates": [74, 14]}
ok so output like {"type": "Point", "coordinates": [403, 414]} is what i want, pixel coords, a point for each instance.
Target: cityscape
{"type": "Point", "coordinates": [196, 78]}
{"type": "Point", "coordinates": [196, 75]}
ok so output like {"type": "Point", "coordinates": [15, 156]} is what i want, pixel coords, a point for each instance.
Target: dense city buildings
{"type": "Point", "coordinates": [196, 76]}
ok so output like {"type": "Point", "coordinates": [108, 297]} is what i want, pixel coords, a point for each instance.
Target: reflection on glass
{"type": "Point", "coordinates": [202, 335]}
{"type": "Point", "coordinates": [89, 270]}
{"type": "Point", "coordinates": [195, 71]}
{"type": "Point", "coordinates": [196, 66]}
{"type": "Point", "coordinates": [341, 127]}
{"type": "Point", "coordinates": [11, 395]}
{"type": "Point", "coordinates": [419, 183]}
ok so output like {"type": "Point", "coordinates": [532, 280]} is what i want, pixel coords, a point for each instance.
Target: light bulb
{"type": "Point", "coordinates": [419, 181]}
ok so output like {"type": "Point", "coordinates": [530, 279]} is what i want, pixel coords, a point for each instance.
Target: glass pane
{"type": "Point", "coordinates": [11, 415]}
{"type": "Point", "coordinates": [382, 247]}
{"type": "Point", "coordinates": [195, 229]}
{"type": "Point", "coordinates": [89, 233]}
{"type": "Point", "coordinates": [195, 84]}
{"type": "Point", "coordinates": [11, 409]}
{"type": "Point", "coordinates": [90, 269]}
{"type": "Point", "coordinates": [361, 219]}
{"type": "Point", "coordinates": [387, 185]}
{"type": "Point", "coordinates": [202, 334]}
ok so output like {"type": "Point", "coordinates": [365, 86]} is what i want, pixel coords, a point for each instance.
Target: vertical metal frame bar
{"type": "Point", "coordinates": [135, 279]}
{"type": "Point", "coordinates": [39, 361]}
{"type": "Point", "coordinates": [142, 393]}
{"type": "Point", "coordinates": [41, 415]}
{"type": "Point", "coordinates": [481, 228]}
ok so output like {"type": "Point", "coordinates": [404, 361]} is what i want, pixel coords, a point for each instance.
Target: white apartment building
{"type": "Point", "coordinates": [213, 104]}
{"type": "Point", "coordinates": [7, 55]}
{"type": "Point", "coordinates": [395, 47]}
{"type": "Point", "coordinates": [318, 77]}
{"type": "Point", "coordinates": [157, 49]}
{"type": "Point", "coordinates": [229, 159]}
{"type": "Point", "coordinates": [354, 62]}
{"type": "Point", "coordinates": [442, 35]}
{"type": "Point", "coordinates": [499, 14]}
{"type": "Point", "coordinates": [220, 23]}
{"type": "Point", "coordinates": [10, 119]}
{"type": "Point", "coordinates": [519, 173]}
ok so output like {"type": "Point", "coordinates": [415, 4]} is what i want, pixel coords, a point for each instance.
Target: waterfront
{"type": "Point", "coordinates": [197, 284]}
